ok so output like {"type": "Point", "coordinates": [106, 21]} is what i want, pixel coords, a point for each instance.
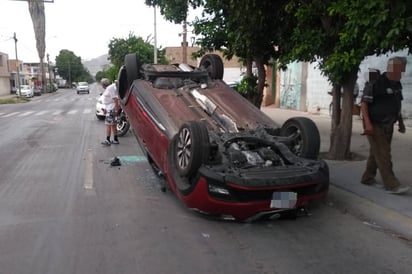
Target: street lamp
{"type": "Point", "coordinates": [155, 38]}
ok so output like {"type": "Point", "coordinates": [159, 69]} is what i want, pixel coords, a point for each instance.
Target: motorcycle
{"type": "Point", "coordinates": [122, 123]}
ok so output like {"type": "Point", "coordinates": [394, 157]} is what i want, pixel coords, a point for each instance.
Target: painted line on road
{"type": "Point", "coordinates": [41, 113]}
{"type": "Point", "coordinates": [26, 113]}
{"type": "Point", "coordinates": [88, 175]}
{"type": "Point", "coordinates": [11, 114]}
{"type": "Point", "coordinates": [57, 112]}
{"type": "Point", "coordinates": [72, 111]}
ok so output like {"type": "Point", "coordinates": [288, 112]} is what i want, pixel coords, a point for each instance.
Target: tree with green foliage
{"type": "Point", "coordinates": [225, 27]}
{"type": "Point", "coordinates": [119, 47]}
{"type": "Point", "coordinates": [175, 10]}
{"type": "Point", "coordinates": [110, 73]}
{"type": "Point", "coordinates": [70, 67]}
{"type": "Point", "coordinates": [339, 34]}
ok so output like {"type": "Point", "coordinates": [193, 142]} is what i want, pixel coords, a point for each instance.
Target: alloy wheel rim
{"type": "Point", "coordinates": [184, 146]}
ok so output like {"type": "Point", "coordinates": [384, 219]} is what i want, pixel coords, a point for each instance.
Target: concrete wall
{"type": "Point", "coordinates": [293, 81]}
{"type": "Point", "coordinates": [4, 75]}
{"type": "Point", "coordinates": [291, 87]}
{"type": "Point", "coordinates": [175, 55]}
{"type": "Point", "coordinates": [380, 63]}
{"type": "Point", "coordinates": [231, 74]}
{"type": "Point", "coordinates": [318, 99]}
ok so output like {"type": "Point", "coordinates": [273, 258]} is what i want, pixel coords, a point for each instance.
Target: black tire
{"type": "Point", "coordinates": [101, 118]}
{"type": "Point", "coordinates": [133, 65]}
{"type": "Point", "coordinates": [122, 126]}
{"type": "Point", "coordinates": [122, 82]}
{"type": "Point", "coordinates": [190, 149]}
{"type": "Point", "coordinates": [306, 141]}
{"type": "Point", "coordinates": [213, 64]}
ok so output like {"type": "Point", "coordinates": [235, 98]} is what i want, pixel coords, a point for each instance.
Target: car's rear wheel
{"type": "Point", "coordinates": [305, 137]}
{"type": "Point", "coordinates": [133, 65]}
{"type": "Point", "coordinates": [213, 65]}
{"type": "Point", "coordinates": [191, 148]}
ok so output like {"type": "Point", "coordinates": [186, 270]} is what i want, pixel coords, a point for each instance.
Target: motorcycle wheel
{"type": "Point", "coordinates": [122, 126]}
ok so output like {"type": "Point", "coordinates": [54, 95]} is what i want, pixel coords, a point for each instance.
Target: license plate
{"type": "Point", "coordinates": [283, 200]}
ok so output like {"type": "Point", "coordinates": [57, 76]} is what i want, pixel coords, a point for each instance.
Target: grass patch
{"type": "Point", "coordinates": [14, 100]}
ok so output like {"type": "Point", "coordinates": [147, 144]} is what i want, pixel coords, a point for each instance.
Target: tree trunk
{"type": "Point", "coordinates": [36, 9]}
{"type": "Point", "coordinates": [249, 65]}
{"type": "Point", "coordinates": [341, 131]}
{"type": "Point", "coordinates": [258, 98]}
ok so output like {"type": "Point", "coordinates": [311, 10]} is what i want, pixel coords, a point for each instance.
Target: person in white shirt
{"type": "Point", "coordinates": [111, 103]}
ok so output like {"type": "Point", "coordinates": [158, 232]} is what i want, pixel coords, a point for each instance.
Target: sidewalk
{"type": "Point", "coordinates": [370, 203]}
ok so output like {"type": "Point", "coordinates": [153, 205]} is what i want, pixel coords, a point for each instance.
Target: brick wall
{"type": "Point", "coordinates": [175, 55]}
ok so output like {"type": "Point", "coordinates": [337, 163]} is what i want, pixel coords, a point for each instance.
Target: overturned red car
{"type": "Point", "coordinates": [217, 152]}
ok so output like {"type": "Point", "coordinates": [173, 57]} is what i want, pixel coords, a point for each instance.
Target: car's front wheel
{"type": "Point", "coordinates": [305, 138]}
{"type": "Point", "coordinates": [191, 148]}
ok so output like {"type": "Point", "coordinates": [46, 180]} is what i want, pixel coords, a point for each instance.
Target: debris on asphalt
{"type": "Point", "coordinates": [115, 162]}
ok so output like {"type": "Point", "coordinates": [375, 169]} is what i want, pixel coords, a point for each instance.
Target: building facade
{"type": "Point", "coordinates": [4, 74]}
{"type": "Point", "coordinates": [233, 67]}
{"type": "Point", "coordinates": [302, 86]}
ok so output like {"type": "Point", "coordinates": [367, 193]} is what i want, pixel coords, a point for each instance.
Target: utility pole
{"type": "Point", "coordinates": [70, 77]}
{"type": "Point", "coordinates": [17, 66]}
{"type": "Point", "coordinates": [48, 67]}
{"type": "Point", "coordinates": [155, 38]}
{"type": "Point", "coordinates": [184, 43]}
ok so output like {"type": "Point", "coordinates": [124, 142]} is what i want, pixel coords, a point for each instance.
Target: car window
{"type": "Point", "coordinates": [83, 84]}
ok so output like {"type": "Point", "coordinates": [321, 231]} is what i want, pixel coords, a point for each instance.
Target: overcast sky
{"type": "Point", "coordinates": [82, 26]}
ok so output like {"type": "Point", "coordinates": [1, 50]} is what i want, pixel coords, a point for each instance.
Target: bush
{"type": "Point", "coordinates": [247, 86]}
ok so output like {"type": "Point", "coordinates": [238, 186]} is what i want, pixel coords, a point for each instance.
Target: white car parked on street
{"type": "Point", "coordinates": [26, 91]}
{"type": "Point", "coordinates": [100, 108]}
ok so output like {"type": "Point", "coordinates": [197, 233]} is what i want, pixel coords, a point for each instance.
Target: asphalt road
{"type": "Point", "coordinates": [64, 209]}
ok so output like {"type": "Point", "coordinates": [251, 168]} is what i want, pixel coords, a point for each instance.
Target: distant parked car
{"type": "Point", "coordinates": [82, 87]}
{"type": "Point", "coordinates": [37, 91]}
{"type": "Point", "coordinates": [26, 91]}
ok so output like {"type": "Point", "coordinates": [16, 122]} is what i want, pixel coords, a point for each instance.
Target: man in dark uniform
{"type": "Point", "coordinates": [381, 109]}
